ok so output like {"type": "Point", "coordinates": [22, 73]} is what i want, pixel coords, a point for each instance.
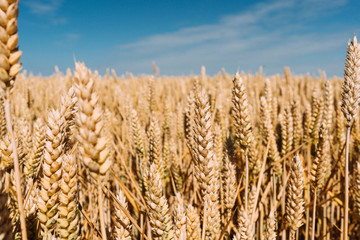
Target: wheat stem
{"type": "Point", "coordinates": [101, 210]}
{"type": "Point", "coordinates": [346, 204]}
{"type": "Point", "coordinates": [314, 217]}
{"type": "Point", "coordinates": [16, 165]}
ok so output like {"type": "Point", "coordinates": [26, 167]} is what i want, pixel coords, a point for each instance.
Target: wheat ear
{"type": "Point", "coordinates": [179, 218]}
{"type": "Point", "coordinates": [329, 104]}
{"type": "Point", "coordinates": [271, 226]}
{"type": "Point", "coordinates": [351, 87]}
{"type": "Point", "coordinates": [268, 95]}
{"type": "Point", "coordinates": [203, 141]}
{"type": "Point", "coordinates": [211, 205]}
{"type": "Point", "coordinates": [7, 154]}
{"type": "Point", "coordinates": [90, 124]}
{"type": "Point", "coordinates": [139, 140]}
{"type": "Point", "coordinates": [189, 120]}
{"type": "Point", "coordinates": [286, 131]}
{"type": "Point", "coordinates": [193, 228]}
{"type": "Point", "coordinates": [122, 225]}
{"type": "Point", "coordinates": [317, 105]}
{"type": "Point", "coordinates": [246, 228]}
{"type": "Point", "coordinates": [68, 221]}
{"type": "Point", "coordinates": [151, 95]}
{"type": "Point", "coordinates": [9, 68]}
{"type": "Point", "coordinates": [176, 170]}
{"type": "Point", "coordinates": [252, 204]}
{"type": "Point", "coordinates": [295, 196]}
{"type": "Point", "coordinates": [25, 143]}
{"type": "Point", "coordinates": [48, 199]}
{"type": "Point", "coordinates": [3, 130]}
{"type": "Point", "coordinates": [297, 123]}
{"type": "Point", "coordinates": [269, 138]}
{"type": "Point", "coordinates": [68, 110]}
{"type": "Point", "coordinates": [307, 122]}
{"type": "Point", "coordinates": [350, 106]}
{"type": "Point", "coordinates": [229, 186]}
{"type": "Point", "coordinates": [32, 165]}
{"type": "Point", "coordinates": [31, 168]}
{"type": "Point", "coordinates": [5, 221]}
{"type": "Point", "coordinates": [155, 148]}
{"type": "Point", "coordinates": [10, 55]}
{"type": "Point", "coordinates": [160, 218]}
{"type": "Point", "coordinates": [357, 187]}
{"type": "Point", "coordinates": [321, 168]}
{"type": "Point", "coordinates": [218, 146]}
{"type": "Point", "coordinates": [138, 135]}
{"type": "Point", "coordinates": [92, 137]}
{"type": "Point", "coordinates": [30, 208]}
{"type": "Point", "coordinates": [242, 124]}
{"type": "Point", "coordinates": [340, 126]}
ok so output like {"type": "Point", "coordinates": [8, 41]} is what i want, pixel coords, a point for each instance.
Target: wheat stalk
{"type": "Point", "coordinates": [9, 69]}
{"type": "Point", "coordinates": [92, 137]}
{"type": "Point", "coordinates": [349, 106]}
{"type": "Point", "coordinates": [321, 168]}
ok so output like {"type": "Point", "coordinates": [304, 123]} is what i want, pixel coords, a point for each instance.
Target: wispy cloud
{"type": "Point", "coordinates": [43, 7]}
{"type": "Point", "coordinates": [67, 39]}
{"type": "Point", "coordinates": [72, 36]}
{"type": "Point", "coordinates": [270, 34]}
{"type": "Point", "coordinates": [46, 9]}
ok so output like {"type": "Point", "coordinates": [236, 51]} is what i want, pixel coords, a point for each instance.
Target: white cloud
{"type": "Point", "coordinates": [43, 7]}
{"type": "Point", "coordinates": [72, 36]}
{"type": "Point", "coordinates": [270, 34]}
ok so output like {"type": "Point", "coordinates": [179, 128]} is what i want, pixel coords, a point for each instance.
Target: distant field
{"type": "Point", "coordinates": [226, 155]}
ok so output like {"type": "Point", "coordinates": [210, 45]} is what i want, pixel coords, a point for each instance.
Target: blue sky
{"type": "Point", "coordinates": [181, 36]}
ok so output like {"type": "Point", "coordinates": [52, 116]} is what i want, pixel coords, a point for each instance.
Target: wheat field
{"type": "Point", "coordinates": [231, 156]}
